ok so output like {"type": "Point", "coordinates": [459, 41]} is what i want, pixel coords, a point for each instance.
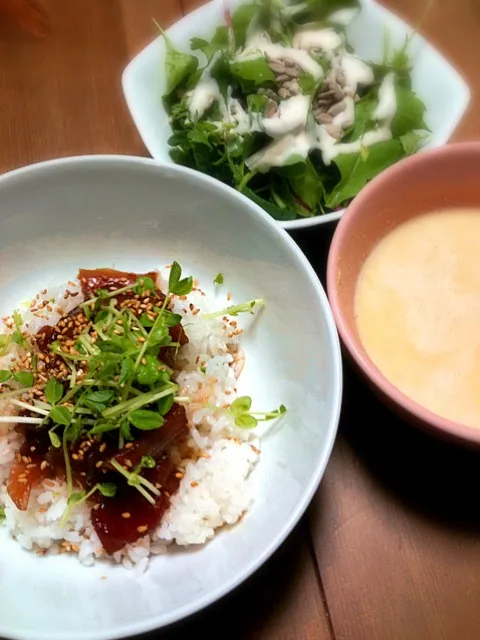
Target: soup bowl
{"type": "Point", "coordinates": [438, 179]}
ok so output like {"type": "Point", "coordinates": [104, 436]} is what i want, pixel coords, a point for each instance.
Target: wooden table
{"type": "Point", "coordinates": [390, 548]}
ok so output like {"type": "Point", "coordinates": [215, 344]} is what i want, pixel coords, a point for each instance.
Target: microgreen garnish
{"type": "Point", "coordinates": [134, 479]}
{"type": "Point", "coordinates": [218, 279]}
{"type": "Point", "coordinates": [2, 513]}
{"type": "Point", "coordinates": [5, 341]}
{"type": "Point", "coordinates": [236, 309]}
{"type": "Point", "coordinates": [53, 391]}
{"type": "Point", "coordinates": [25, 378]}
{"type": "Point", "coordinates": [4, 376]}
{"type": "Point", "coordinates": [244, 418]}
{"type": "Point", "coordinates": [54, 439]}
{"type": "Point", "coordinates": [176, 285]}
{"type": "Point", "coordinates": [107, 489]}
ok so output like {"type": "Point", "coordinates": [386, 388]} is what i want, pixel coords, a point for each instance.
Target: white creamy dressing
{"type": "Point", "coordinates": [291, 115]}
{"type": "Point", "coordinates": [279, 151]}
{"type": "Point", "coordinates": [288, 126]}
{"type": "Point", "coordinates": [203, 96]}
{"type": "Point", "coordinates": [260, 44]}
{"type": "Point", "coordinates": [356, 72]}
{"type": "Point", "coordinates": [343, 17]}
{"type": "Point", "coordinates": [324, 39]}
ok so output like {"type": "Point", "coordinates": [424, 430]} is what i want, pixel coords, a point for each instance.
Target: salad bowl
{"type": "Point", "coordinates": [432, 78]}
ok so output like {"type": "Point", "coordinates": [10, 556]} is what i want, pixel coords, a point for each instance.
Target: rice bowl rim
{"type": "Point", "coordinates": [283, 238]}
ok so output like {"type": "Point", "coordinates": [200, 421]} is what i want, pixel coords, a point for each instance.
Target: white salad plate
{"type": "Point", "coordinates": [132, 214]}
{"type": "Point", "coordinates": [436, 82]}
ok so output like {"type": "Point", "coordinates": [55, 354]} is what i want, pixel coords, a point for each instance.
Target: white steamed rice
{"type": "Point", "coordinates": [215, 490]}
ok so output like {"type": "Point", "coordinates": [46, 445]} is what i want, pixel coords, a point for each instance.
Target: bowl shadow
{"type": "Point", "coordinates": [436, 478]}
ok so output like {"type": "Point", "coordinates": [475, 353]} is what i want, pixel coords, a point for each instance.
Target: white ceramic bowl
{"type": "Point", "coordinates": [442, 89]}
{"type": "Point", "coordinates": [132, 214]}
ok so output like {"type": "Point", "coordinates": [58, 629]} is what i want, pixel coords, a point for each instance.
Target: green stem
{"type": "Point", "coordinates": [139, 401]}
{"type": "Point", "coordinates": [246, 307]}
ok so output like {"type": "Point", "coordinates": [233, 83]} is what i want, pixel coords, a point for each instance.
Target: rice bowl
{"type": "Point", "coordinates": [133, 215]}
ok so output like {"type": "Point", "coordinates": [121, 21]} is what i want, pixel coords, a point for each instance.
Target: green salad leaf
{"type": "Point", "coordinates": [256, 70]}
{"type": "Point", "coordinates": [357, 169]}
{"type": "Point", "coordinates": [410, 113]}
{"type": "Point", "coordinates": [178, 65]}
{"type": "Point", "coordinates": [287, 182]}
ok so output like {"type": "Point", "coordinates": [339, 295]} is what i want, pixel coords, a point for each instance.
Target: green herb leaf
{"type": "Point", "coordinates": [356, 171]}
{"type": "Point", "coordinates": [256, 102]}
{"type": "Point", "coordinates": [159, 337]}
{"type": "Point", "coordinates": [146, 420]}
{"type": "Point", "coordinates": [2, 513]}
{"type": "Point", "coordinates": [25, 378]}
{"type": "Point", "coordinates": [5, 341]}
{"type": "Point", "coordinates": [218, 279]}
{"type": "Point", "coordinates": [255, 70]}
{"type": "Point", "coordinates": [98, 400]}
{"type": "Point", "coordinates": [76, 498]}
{"type": "Point", "coordinates": [171, 319]}
{"type": "Point", "coordinates": [176, 285]}
{"type": "Point", "coordinates": [110, 346]}
{"type": "Point", "coordinates": [164, 405]}
{"type": "Point", "coordinates": [61, 415]}
{"type": "Point", "coordinates": [411, 142]}
{"type": "Point", "coordinates": [305, 184]}
{"type": "Point", "coordinates": [54, 439]}
{"type": "Point", "coordinates": [53, 391]}
{"type": "Point", "coordinates": [150, 372]}
{"type": "Point", "coordinates": [147, 462]}
{"type": "Point", "coordinates": [4, 376]}
{"type": "Point", "coordinates": [126, 371]}
{"type": "Point", "coordinates": [178, 66]}
{"type": "Point", "coordinates": [246, 421]}
{"type": "Point", "coordinates": [107, 489]}
{"type": "Point", "coordinates": [103, 427]}
{"type": "Point", "coordinates": [241, 20]}
{"type": "Point", "coordinates": [145, 284]}
{"type": "Point", "coordinates": [241, 405]}
{"type": "Point", "coordinates": [409, 115]}
{"type": "Point", "coordinates": [307, 83]}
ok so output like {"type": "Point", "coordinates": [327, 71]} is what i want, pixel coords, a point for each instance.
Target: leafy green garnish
{"type": "Point", "coordinates": [25, 378]}
{"type": "Point", "coordinates": [5, 376]}
{"type": "Point", "coordinates": [178, 65]}
{"type": "Point", "coordinates": [176, 285]}
{"type": "Point", "coordinates": [410, 113]}
{"type": "Point", "coordinates": [53, 391]}
{"type": "Point", "coordinates": [236, 309]}
{"type": "Point", "coordinates": [107, 489]}
{"type": "Point", "coordinates": [61, 415]}
{"type": "Point", "coordinates": [134, 479]}
{"type": "Point", "coordinates": [356, 169]}
{"type": "Point", "coordinates": [255, 70]}
{"type": "Point", "coordinates": [218, 279]}
{"type": "Point", "coordinates": [2, 513]}
{"type": "Point", "coordinates": [5, 341]}
{"type": "Point", "coordinates": [244, 418]}
{"type": "Point", "coordinates": [146, 420]}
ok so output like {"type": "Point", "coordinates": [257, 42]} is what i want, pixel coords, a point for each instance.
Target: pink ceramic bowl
{"type": "Point", "coordinates": [445, 177]}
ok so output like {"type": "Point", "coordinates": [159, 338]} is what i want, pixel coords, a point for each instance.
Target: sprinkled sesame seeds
{"type": "Point", "coordinates": [126, 515]}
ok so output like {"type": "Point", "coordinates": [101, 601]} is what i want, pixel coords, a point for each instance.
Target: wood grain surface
{"type": "Point", "coordinates": [389, 549]}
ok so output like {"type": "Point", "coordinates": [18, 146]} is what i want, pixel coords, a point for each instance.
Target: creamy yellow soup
{"type": "Point", "coordinates": [417, 309]}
